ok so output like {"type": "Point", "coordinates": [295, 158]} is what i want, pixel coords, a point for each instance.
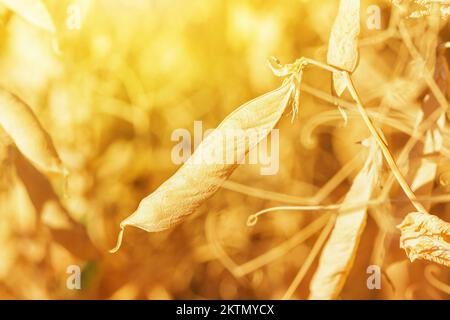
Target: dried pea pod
{"type": "Point", "coordinates": [199, 178]}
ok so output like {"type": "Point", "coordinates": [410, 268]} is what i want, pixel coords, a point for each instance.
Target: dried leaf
{"type": "Point", "coordinates": [343, 43]}
{"type": "Point", "coordinates": [34, 11]}
{"type": "Point", "coordinates": [340, 250]}
{"type": "Point", "coordinates": [425, 236]}
{"type": "Point", "coordinates": [20, 123]}
{"type": "Point", "coordinates": [199, 179]}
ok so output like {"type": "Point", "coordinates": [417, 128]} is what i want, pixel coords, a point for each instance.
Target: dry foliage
{"type": "Point", "coordinates": [33, 11]}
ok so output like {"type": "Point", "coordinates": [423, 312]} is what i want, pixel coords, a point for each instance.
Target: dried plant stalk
{"type": "Point", "coordinates": [340, 250]}
{"type": "Point", "coordinates": [197, 180]}
{"type": "Point", "coordinates": [343, 43]}
{"type": "Point", "coordinates": [425, 236]}
{"type": "Point", "coordinates": [21, 124]}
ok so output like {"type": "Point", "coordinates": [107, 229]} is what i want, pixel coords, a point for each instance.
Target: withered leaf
{"type": "Point", "coordinates": [423, 8]}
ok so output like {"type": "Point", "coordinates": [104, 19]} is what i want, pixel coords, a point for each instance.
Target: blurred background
{"type": "Point", "coordinates": [111, 85]}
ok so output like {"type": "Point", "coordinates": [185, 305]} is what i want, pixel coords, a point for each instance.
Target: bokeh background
{"type": "Point", "coordinates": [111, 90]}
